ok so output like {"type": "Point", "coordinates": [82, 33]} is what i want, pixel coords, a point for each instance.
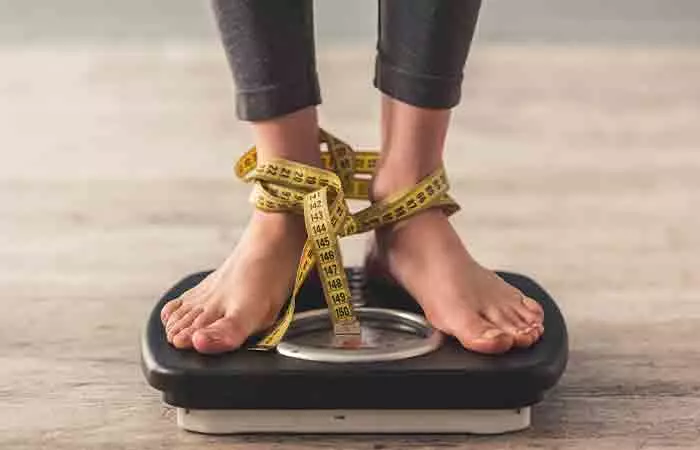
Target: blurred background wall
{"type": "Point", "coordinates": [621, 21]}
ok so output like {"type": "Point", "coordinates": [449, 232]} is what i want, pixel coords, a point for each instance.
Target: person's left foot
{"type": "Point", "coordinates": [460, 297]}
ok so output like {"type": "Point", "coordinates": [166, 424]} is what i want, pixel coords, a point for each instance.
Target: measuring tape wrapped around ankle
{"type": "Point", "coordinates": [321, 195]}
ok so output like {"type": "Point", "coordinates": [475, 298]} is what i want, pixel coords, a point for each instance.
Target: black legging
{"type": "Point", "coordinates": [422, 49]}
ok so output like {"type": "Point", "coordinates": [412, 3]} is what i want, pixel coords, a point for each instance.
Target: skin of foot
{"type": "Point", "coordinates": [245, 294]}
{"type": "Point", "coordinates": [425, 255]}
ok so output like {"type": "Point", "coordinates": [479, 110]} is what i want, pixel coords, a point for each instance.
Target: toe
{"type": "Point", "coordinates": [508, 321]}
{"type": "Point", "coordinates": [492, 341]}
{"type": "Point", "coordinates": [482, 336]}
{"type": "Point", "coordinates": [183, 323]}
{"type": "Point", "coordinates": [223, 335]}
{"type": "Point", "coordinates": [183, 339]}
{"type": "Point", "coordinates": [526, 337]}
{"type": "Point", "coordinates": [176, 316]}
{"type": "Point", "coordinates": [531, 310]}
{"type": "Point", "coordinates": [528, 329]}
{"type": "Point", "coordinates": [537, 331]}
{"type": "Point", "coordinates": [534, 322]}
{"type": "Point", "coordinates": [175, 304]}
{"type": "Point", "coordinates": [168, 309]}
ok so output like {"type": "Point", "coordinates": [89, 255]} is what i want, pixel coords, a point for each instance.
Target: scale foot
{"type": "Point", "coordinates": [342, 421]}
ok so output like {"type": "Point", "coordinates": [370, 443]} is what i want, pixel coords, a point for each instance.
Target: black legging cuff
{"type": "Point", "coordinates": [422, 48]}
{"type": "Point", "coordinates": [277, 99]}
{"type": "Point", "coordinates": [423, 91]}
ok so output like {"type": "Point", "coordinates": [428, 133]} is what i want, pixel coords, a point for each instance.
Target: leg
{"type": "Point", "coordinates": [270, 48]}
{"type": "Point", "coordinates": [423, 46]}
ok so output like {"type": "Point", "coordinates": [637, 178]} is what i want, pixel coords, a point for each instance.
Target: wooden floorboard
{"type": "Point", "coordinates": [578, 166]}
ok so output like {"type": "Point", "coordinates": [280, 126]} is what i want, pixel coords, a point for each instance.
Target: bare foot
{"type": "Point", "coordinates": [425, 255]}
{"type": "Point", "coordinates": [245, 294]}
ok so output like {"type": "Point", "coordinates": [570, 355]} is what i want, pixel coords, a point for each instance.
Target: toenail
{"type": "Point", "coordinates": [210, 336]}
{"type": "Point", "coordinates": [491, 334]}
{"type": "Point", "coordinates": [531, 304]}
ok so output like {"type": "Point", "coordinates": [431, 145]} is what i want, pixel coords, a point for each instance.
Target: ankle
{"type": "Point", "coordinates": [282, 223]}
{"type": "Point", "coordinates": [392, 177]}
{"type": "Point", "coordinates": [294, 137]}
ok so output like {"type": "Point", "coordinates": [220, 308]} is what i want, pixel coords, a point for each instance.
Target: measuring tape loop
{"type": "Point", "coordinates": [320, 195]}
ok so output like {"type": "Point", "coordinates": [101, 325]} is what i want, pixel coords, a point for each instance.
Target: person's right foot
{"type": "Point", "coordinates": [245, 294]}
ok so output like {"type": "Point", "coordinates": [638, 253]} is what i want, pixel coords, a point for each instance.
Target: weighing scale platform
{"type": "Point", "coordinates": [450, 390]}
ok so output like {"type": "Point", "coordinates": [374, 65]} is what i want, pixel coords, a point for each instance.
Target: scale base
{"type": "Point", "coordinates": [343, 421]}
{"type": "Point", "coordinates": [449, 390]}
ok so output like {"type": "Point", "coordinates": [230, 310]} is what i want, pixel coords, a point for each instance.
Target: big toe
{"type": "Point", "coordinates": [507, 319]}
{"type": "Point", "coordinates": [221, 336]}
{"type": "Point", "coordinates": [482, 336]}
{"type": "Point", "coordinates": [492, 342]}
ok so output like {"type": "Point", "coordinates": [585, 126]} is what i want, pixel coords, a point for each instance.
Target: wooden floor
{"type": "Point", "coordinates": [579, 166]}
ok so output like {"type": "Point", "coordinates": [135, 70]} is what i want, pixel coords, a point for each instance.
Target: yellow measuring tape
{"type": "Point", "coordinates": [321, 195]}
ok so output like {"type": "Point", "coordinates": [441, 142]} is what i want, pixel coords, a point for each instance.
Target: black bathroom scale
{"type": "Point", "coordinates": [407, 378]}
